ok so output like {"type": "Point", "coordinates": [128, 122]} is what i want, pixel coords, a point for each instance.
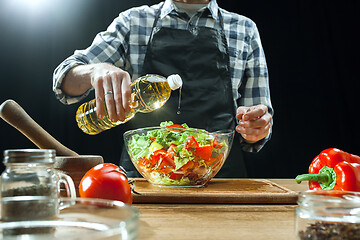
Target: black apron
{"type": "Point", "coordinates": [200, 56]}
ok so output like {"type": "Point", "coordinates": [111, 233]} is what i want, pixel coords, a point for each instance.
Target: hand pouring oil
{"type": "Point", "coordinates": [148, 93]}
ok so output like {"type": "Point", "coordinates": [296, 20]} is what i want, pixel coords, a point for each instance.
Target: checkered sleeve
{"type": "Point", "coordinates": [108, 46]}
{"type": "Point", "coordinates": [255, 85]}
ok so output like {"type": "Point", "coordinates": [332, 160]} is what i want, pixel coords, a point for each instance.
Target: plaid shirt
{"type": "Point", "coordinates": [125, 41]}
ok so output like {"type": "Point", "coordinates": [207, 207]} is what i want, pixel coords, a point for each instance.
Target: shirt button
{"type": "Point", "coordinates": [190, 23]}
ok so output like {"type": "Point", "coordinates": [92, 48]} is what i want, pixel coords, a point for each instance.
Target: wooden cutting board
{"type": "Point", "coordinates": [218, 190]}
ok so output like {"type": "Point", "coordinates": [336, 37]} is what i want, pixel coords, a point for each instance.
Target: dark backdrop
{"type": "Point", "coordinates": [311, 49]}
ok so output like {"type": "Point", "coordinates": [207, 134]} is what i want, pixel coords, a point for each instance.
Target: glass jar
{"type": "Point", "coordinates": [328, 214]}
{"type": "Point", "coordinates": [31, 172]}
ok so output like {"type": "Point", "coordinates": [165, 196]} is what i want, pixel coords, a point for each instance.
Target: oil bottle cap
{"type": "Point", "coordinates": [174, 81]}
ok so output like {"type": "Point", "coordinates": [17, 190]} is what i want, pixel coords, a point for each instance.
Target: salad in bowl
{"type": "Point", "coordinates": [177, 155]}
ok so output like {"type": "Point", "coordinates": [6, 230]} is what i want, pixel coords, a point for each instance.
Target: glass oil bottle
{"type": "Point", "coordinates": [148, 93]}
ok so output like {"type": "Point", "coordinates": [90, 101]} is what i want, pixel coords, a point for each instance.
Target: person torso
{"type": "Point", "coordinates": [236, 29]}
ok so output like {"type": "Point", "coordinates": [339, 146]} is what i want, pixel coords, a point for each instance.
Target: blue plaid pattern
{"type": "Point", "coordinates": [124, 44]}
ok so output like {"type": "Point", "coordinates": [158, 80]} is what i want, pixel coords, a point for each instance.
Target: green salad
{"type": "Point", "coordinates": [177, 154]}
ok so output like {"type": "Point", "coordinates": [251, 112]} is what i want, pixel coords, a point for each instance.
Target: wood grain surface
{"type": "Point", "coordinates": [217, 191]}
{"type": "Point", "coordinates": [177, 221]}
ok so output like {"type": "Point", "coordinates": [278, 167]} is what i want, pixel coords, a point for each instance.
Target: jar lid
{"type": "Point", "coordinates": [29, 155]}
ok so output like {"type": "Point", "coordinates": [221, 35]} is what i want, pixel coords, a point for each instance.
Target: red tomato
{"type": "Point", "coordinates": [106, 181]}
{"type": "Point", "coordinates": [204, 152]}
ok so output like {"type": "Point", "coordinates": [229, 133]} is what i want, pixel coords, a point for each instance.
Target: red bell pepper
{"type": "Point", "coordinates": [333, 169]}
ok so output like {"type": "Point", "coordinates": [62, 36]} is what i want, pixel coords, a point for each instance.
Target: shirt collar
{"type": "Point", "coordinates": [168, 7]}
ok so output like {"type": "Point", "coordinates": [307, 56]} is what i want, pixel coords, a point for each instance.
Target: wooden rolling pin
{"type": "Point", "coordinates": [16, 116]}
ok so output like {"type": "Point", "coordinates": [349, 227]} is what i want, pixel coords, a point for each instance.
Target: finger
{"type": "Point", "coordinates": [254, 137]}
{"type": "Point", "coordinates": [109, 98]}
{"type": "Point", "coordinates": [99, 94]}
{"type": "Point", "coordinates": [255, 112]}
{"type": "Point", "coordinates": [126, 91]}
{"type": "Point", "coordinates": [116, 82]}
{"type": "Point", "coordinates": [264, 133]}
{"type": "Point", "coordinates": [241, 111]}
{"type": "Point", "coordinates": [256, 123]}
{"type": "Point", "coordinates": [253, 134]}
{"type": "Point", "coordinates": [117, 96]}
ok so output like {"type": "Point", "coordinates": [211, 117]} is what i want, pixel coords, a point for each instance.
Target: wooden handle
{"type": "Point", "coordinates": [16, 116]}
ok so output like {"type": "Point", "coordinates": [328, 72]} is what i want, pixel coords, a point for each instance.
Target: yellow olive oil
{"type": "Point", "coordinates": [148, 93]}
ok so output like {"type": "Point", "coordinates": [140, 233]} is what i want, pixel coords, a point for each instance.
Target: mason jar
{"type": "Point", "coordinates": [31, 172]}
{"type": "Point", "coordinates": [328, 214]}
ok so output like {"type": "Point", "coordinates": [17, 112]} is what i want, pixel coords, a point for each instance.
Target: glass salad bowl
{"type": "Point", "coordinates": [177, 155]}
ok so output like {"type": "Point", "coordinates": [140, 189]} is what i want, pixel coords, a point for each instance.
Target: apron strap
{"type": "Point", "coordinates": [155, 21]}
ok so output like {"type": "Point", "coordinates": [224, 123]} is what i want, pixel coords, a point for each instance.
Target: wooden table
{"type": "Point", "coordinates": [220, 221]}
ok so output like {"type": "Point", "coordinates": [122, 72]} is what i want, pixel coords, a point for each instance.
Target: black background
{"type": "Point", "coordinates": [311, 49]}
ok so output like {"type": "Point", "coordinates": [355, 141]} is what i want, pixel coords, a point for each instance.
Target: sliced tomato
{"type": "Point", "coordinates": [164, 161]}
{"type": "Point", "coordinates": [204, 152]}
{"type": "Point", "coordinates": [214, 159]}
{"type": "Point", "coordinates": [211, 161]}
{"type": "Point", "coordinates": [172, 149]}
{"type": "Point", "coordinates": [169, 161]}
{"type": "Point", "coordinates": [144, 162]}
{"type": "Point", "coordinates": [188, 165]}
{"type": "Point", "coordinates": [165, 167]}
{"type": "Point", "coordinates": [175, 126]}
{"type": "Point", "coordinates": [217, 145]}
{"type": "Point", "coordinates": [171, 152]}
{"type": "Point", "coordinates": [191, 143]}
{"type": "Point", "coordinates": [175, 176]}
{"type": "Point", "coordinates": [157, 156]}
{"type": "Point", "coordinates": [165, 171]}
{"type": "Point", "coordinates": [216, 163]}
